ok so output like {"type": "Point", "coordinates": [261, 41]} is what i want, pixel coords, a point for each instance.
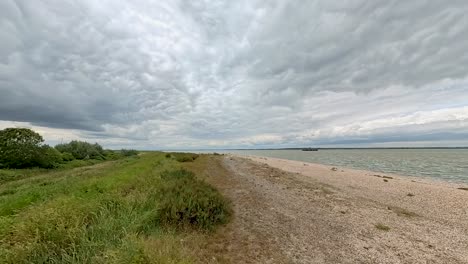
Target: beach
{"type": "Point", "coordinates": [297, 212]}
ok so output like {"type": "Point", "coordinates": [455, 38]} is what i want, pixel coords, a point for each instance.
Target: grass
{"type": "Point", "coordinates": [382, 227]}
{"type": "Point", "coordinates": [403, 212]}
{"type": "Point", "coordinates": [7, 175]}
{"type": "Point", "coordinates": [113, 212]}
{"type": "Point", "coordinates": [189, 202]}
{"type": "Point", "coordinates": [183, 157]}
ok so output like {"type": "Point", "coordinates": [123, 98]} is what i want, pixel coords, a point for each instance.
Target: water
{"type": "Point", "coordinates": [440, 164]}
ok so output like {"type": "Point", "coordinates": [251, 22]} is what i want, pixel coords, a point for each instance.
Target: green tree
{"type": "Point", "coordinates": [49, 157]}
{"type": "Point", "coordinates": [82, 150]}
{"type": "Point", "coordinates": [19, 147]}
{"type": "Point", "coordinates": [66, 156]}
{"type": "Point", "coordinates": [128, 152]}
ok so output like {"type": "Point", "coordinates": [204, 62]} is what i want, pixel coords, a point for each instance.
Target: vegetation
{"type": "Point", "coordinates": [118, 212]}
{"type": "Point", "coordinates": [82, 150]}
{"type": "Point", "coordinates": [189, 202]}
{"type": "Point", "coordinates": [382, 227]}
{"type": "Point", "coordinates": [184, 157]}
{"type": "Point", "coordinates": [19, 148]}
{"type": "Point", "coordinates": [131, 209]}
{"type": "Point", "coordinates": [22, 148]}
{"type": "Point", "coordinates": [403, 212]}
{"type": "Point", "coordinates": [49, 157]}
{"type": "Point", "coordinates": [128, 152]}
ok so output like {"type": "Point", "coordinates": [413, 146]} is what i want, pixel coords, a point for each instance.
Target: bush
{"type": "Point", "coordinates": [112, 155]}
{"type": "Point", "coordinates": [82, 150]}
{"type": "Point", "coordinates": [185, 157]}
{"type": "Point", "coordinates": [128, 152]}
{"type": "Point", "coordinates": [19, 147]}
{"type": "Point", "coordinates": [67, 156]}
{"type": "Point", "coordinates": [188, 202]}
{"type": "Point", "coordinates": [49, 157]}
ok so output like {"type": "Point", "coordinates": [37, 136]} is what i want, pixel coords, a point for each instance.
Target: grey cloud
{"type": "Point", "coordinates": [197, 73]}
{"type": "Point", "coordinates": [371, 45]}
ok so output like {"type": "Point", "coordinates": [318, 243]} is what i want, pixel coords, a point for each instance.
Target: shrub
{"type": "Point", "coordinates": [185, 157]}
{"type": "Point", "coordinates": [112, 155]}
{"type": "Point", "coordinates": [19, 147]}
{"type": "Point", "coordinates": [67, 156]}
{"type": "Point", "coordinates": [49, 157]}
{"type": "Point", "coordinates": [82, 150]}
{"type": "Point", "coordinates": [188, 202]}
{"type": "Point", "coordinates": [128, 152]}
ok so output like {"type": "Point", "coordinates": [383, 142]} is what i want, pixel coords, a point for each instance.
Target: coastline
{"type": "Point", "coordinates": [310, 213]}
{"type": "Point", "coordinates": [274, 162]}
{"type": "Point", "coordinates": [393, 189]}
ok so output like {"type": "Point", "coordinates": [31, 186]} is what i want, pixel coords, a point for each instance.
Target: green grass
{"type": "Point", "coordinates": [106, 213]}
{"type": "Point", "coordinates": [7, 175]}
{"type": "Point", "coordinates": [189, 202]}
{"type": "Point", "coordinates": [182, 157]}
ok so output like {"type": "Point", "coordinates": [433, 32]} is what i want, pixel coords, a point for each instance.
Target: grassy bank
{"type": "Point", "coordinates": [136, 210]}
{"type": "Point", "coordinates": [7, 175]}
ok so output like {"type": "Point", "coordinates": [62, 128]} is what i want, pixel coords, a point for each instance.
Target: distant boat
{"type": "Point", "coordinates": [310, 149]}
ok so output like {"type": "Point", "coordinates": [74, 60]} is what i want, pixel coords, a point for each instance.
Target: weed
{"type": "Point", "coordinates": [382, 227]}
{"type": "Point", "coordinates": [403, 212]}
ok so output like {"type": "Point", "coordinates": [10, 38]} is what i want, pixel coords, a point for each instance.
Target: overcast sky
{"type": "Point", "coordinates": [220, 74]}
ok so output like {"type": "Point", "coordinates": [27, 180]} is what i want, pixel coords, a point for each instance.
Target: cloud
{"type": "Point", "coordinates": [191, 74]}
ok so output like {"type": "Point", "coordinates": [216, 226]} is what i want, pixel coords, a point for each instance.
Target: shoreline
{"type": "Point", "coordinates": [310, 213]}
{"type": "Point", "coordinates": [427, 196]}
{"type": "Point", "coordinates": [412, 178]}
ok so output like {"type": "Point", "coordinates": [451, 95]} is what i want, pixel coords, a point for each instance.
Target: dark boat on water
{"type": "Point", "coordinates": [310, 149]}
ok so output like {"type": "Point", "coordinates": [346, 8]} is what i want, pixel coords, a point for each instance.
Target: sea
{"type": "Point", "coordinates": [439, 164]}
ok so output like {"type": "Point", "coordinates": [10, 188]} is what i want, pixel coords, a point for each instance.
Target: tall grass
{"type": "Point", "coordinates": [182, 157]}
{"type": "Point", "coordinates": [110, 213]}
{"type": "Point", "coordinates": [189, 202]}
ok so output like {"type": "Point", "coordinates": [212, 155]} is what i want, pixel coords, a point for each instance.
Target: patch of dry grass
{"type": "Point", "coordinates": [403, 212]}
{"type": "Point", "coordinates": [382, 227]}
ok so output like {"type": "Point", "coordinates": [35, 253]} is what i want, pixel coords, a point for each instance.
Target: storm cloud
{"type": "Point", "coordinates": [222, 74]}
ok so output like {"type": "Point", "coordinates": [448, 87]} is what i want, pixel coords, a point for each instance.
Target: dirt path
{"type": "Point", "coordinates": [283, 217]}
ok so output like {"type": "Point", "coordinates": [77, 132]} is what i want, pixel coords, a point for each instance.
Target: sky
{"type": "Point", "coordinates": [190, 74]}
